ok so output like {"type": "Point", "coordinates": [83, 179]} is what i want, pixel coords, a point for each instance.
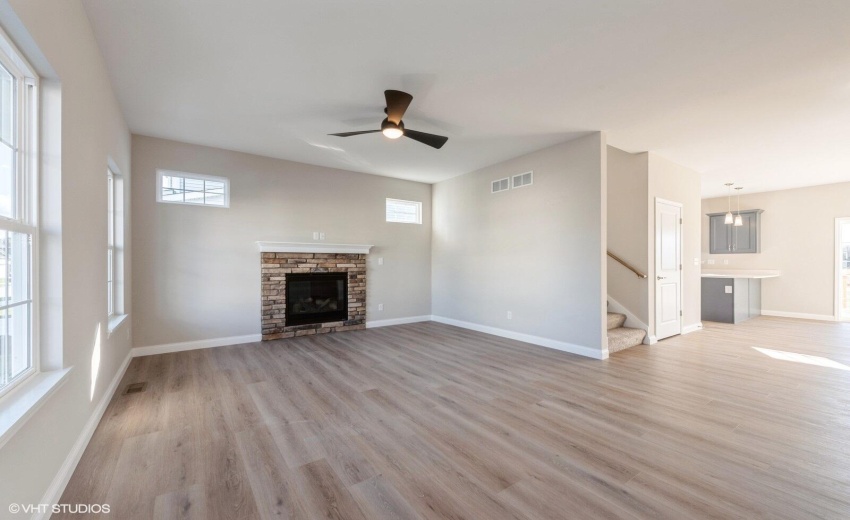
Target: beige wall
{"type": "Point", "coordinates": [798, 238]}
{"type": "Point", "coordinates": [74, 227]}
{"type": "Point", "coordinates": [197, 274]}
{"type": "Point", "coordinates": [628, 235]}
{"type": "Point", "coordinates": [673, 182]}
{"type": "Point", "coordinates": [537, 251]}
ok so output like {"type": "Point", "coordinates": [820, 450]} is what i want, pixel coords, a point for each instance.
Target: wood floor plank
{"type": "Point", "coordinates": [428, 421]}
{"type": "Point", "coordinates": [381, 500]}
{"type": "Point", "coordinates": [324, 493]}
{"type": "Point", "coordinates": [186, 504]}
{"type": "Point", "coordinates": [274, 489]}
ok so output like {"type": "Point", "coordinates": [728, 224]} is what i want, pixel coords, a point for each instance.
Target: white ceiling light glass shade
{"type": "Point", "coordinates": [738, 220]}
{"type": "Point", "coordinates": [729, 217]}
{"type": "Point", "coordinates": [392, 132]}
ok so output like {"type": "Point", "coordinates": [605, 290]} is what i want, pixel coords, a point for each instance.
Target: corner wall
{"type": "Point", "coordinates": [536, 251]}
{"type": "Point", "coordinates": [197, 274]}
{"type": "Point", "coordinates": [92, 129]}
{"type": "Point", "coordinates": [628, 235]}
{"type": "Point", "coordinates": [798, 238]}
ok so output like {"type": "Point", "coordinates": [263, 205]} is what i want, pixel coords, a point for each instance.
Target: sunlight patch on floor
{"type": "Point", "coordinates": [802, 358]}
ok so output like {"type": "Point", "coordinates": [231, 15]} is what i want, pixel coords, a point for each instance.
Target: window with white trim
{"type": "Point", "coordinates": [110, 242]}
{"type": "Point", "coordinates": [192, 188]}
{"type": "Point", "coordinates": [18, 102]}
{"type": "Point", "coordinates": [404, 211]}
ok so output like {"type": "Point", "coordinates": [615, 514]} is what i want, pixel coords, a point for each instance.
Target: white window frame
{"type": "Point", "coordinates": [24, 220]}
{"type": "Point", "coordinates": [197, 176]}
{"type": "Point", "coordinates": [401, 201]}
{"type": "Point", "coordinates": [111, 281]}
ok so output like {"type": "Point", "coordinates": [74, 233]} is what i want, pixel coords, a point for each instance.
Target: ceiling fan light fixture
{"type": "Point", "coordinates": [392, 133]}
{"type": "Point", "coordinates": [392, 127]}
{"type": "Point", "coordinates": [392, 130]}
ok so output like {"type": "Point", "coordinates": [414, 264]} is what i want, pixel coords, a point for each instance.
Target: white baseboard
{"type": "Point", "coordinates": [650, 340]}
{"type": "Point", "coordinates": [800, 315]}
{"type": "Point", "coordinates": [396, 321]}
{"type": "Point", "coordinates": [527, 338]}
{"type": "Point", "coordinates": [693, 327]}
{"type": "Point", "coordinates": [194, 345]}
{"type": "Point", "coordinates": [57, 487]}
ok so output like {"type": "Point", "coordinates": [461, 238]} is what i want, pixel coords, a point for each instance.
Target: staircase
{"type": "Point", "coordinates": [619, 337]}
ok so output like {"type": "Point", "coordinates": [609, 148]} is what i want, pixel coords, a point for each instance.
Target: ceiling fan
{"type": "Point", "coordinates": [393, 127]}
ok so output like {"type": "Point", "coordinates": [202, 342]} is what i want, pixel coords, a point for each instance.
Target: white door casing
{"type": "Point", "coordinates": [841, 224]}
{"type": "Point", "coordinates": [668, 268]}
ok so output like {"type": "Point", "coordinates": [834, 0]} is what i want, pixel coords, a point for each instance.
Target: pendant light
{"type": "Point", "coordinates": [738, 220]}
{"type": "Point", "coordinates": [729, 218]}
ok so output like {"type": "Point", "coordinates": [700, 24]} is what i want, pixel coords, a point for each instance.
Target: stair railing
{"type": "Point", "coordinates": [627, 265]}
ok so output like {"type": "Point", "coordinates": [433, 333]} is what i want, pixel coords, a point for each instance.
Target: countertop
{"type": "Point", "coordinates": [740, 273]}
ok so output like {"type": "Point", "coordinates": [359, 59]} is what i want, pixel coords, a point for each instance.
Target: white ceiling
{"type": "Point", "coordinates": [754, 92]}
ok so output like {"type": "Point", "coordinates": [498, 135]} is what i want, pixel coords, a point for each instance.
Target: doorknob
{"type": "Point", "coordinates": [661, 277]}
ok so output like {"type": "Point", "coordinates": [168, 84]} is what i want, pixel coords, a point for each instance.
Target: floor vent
{"type": "Point", "coordinates": [136, 388]}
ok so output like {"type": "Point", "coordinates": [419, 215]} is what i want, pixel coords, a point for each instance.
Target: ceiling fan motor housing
{"type": "Point", "coordinates": [386, 123]}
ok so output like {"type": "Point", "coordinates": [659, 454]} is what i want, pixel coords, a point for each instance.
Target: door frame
{"type": "Point", "coordinates": [837, 279]}
{"type": "Point", "coordinates": [680, 296]}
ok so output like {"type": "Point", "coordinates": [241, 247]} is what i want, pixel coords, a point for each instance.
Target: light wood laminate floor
{"type": "Point", "coordinates": [431, 421]}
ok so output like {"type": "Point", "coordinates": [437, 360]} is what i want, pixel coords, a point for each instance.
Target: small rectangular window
{"type": "Point", "coordinates": [404, 211]}
{"type": "Point", "coordinates": [523, 179]}
{"type": "Point", "coordinates": [192, 188]}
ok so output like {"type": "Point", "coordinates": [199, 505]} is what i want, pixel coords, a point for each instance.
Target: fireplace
{"type": "Point", "coordinates": [316, 298]}
{"type": "Point", "coordinates": [306, 293]}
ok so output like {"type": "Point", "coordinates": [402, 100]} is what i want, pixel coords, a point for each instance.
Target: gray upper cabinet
{"type": "Point", "coordinates": [729, 239]}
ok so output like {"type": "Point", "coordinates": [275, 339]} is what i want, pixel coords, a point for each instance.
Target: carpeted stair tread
{"type": "Point", "coordinates": [615, 320]}
{"type": "Point", "coordinates": [621, 338]}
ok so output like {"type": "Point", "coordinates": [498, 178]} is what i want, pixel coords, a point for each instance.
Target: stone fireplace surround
{"type": "Point", "coordinates": [281, 258]}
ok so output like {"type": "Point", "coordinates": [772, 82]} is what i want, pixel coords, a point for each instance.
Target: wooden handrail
{"type": "Point", "coordinates": [627, 265]}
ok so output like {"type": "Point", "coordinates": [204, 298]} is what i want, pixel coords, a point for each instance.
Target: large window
{"type": "Point", "coordinates": [110, 242]}
{"type": "Point", "coordinates": [18, 91]}
{"type": "Point", "coordinates": [192, 188]}
{"type": "Point", "coordinates": [404, 211]}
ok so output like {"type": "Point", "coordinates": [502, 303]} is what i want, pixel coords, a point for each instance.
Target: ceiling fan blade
{"type": "Point", "coordinates": [437, 141]}
{"type": "Point", "coordinates": [397, 103]}
{"type": "Point", "coordinates": [349, 134]}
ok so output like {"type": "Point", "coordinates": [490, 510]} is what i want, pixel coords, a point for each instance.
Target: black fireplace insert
{"type": "Point", "coordinates": [316, 298]}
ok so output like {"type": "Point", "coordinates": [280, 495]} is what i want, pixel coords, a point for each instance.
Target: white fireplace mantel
{"type": "Point", "coordinates": [313, 247]}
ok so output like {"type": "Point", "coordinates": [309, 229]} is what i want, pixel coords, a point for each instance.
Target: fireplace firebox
{"type": "Point", "coordinates": [316, 298]}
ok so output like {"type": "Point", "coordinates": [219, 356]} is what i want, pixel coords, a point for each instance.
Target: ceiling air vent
{"type": "Point", "coordinates": [500, 185]}
{"type": "Point", "coordinates": [523, 179]}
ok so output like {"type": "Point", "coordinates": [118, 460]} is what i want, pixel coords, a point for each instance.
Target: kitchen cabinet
{"type": "Point", "coordinates": [730, 300]}
{"type": "Point", "coordinates": [730, 239]}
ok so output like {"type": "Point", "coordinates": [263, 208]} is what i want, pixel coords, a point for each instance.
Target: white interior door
{"type": "Point", "coordinates": [668, 269]}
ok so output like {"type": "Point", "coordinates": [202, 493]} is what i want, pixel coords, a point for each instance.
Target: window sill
{"type": "Point", "coordinates": [19, 405]}
{"type": "Point", "coordinates": [115, 321]}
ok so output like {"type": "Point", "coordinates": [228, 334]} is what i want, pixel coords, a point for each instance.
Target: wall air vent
{"type": "Point", "coordinates": [522, 179]}
{"type": "Point", "coordinates": [500, 185]}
